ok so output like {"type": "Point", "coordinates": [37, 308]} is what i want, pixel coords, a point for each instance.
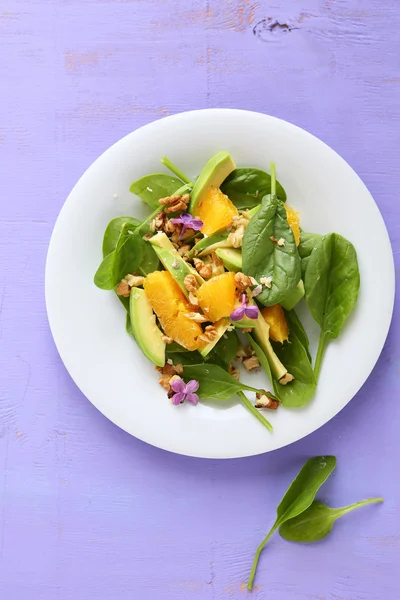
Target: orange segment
{"type": "Point", "coordinates": [217, 296]}
{"type": "Point", "coordinates": [216, 211]}
{"type": "Point", "coordinates": [278, 327]}
{"type": "Point", "coordinates": [170, 305]}
{"type": "Point", "coordinates": [294, 222]}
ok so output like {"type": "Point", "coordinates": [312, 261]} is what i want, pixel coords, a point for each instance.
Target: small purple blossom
{"type": "Point", "coordinates": [187, 222]}
{"type": "Point", "coordinates": [250, 311]}
{"type": "Point", "coordinates": [185, 391]}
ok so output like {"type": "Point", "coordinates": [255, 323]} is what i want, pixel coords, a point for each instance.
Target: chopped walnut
{"type": "Point", "coordinates": [247, 329]}
{"type": "Point", "coordinates": [240, 221]}
{"type": "Point", "coordinates": [257, 290]}
{"type": "Point", "coordinates": [196, 317]}
{"type": "Point", "coordinates": [174, 203]}
{"type": "Point", "coordinates": [251, 363]}
{"type": "Point", "coordinates": [183, 250]}
{"type": "Point", "coordinates": [234, 371]}
{"type": "Point", "coordinates": [194, 302]}
{"type": "Point", "coordinates": [286, 379]}
{"type": "Point", "coordinates": [209, 334]}
{"type": "Point", "coordinates": [190, 283]}
{"type": "Point", "coordinates": [164, 382]}
{"type": "Point", "coordinates": [249, 351]}
{"type": "Point", "coordinates": [217, 265]}
{"type": "Point", "coordinates": [166, 339]}
{"type": "Point", "coordinates": [281, 242]}
{"type": "Point", "coordinates": [123, 289]}
{"type": "Point", "coordinates": [267, 281]}
{"type": "Point", "coordinates": [273, 239]}
{"type": "Point", "coordinates": [203, 270]}
{"type": "Point", "coordinates": [236, 237]}
{"type": "Point", "coordinates": [134, 280]}
{"type": "Point", "coordinates": [171, 391]}
{"type": "Point", "coordinates": [240, 354]}
{"type": "Point", "coordinates": [266, 401]}
{"type": "Point", "coordinates": [242, 281]}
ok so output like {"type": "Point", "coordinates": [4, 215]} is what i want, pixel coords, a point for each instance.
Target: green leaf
{"type": "Point", "coordinates": [308, 241]}
{"type": "Point", "coordinates": [316, 522]}
{"type": "Point", "coordinates": [296, 326]}
{"type": "Point", "coordinates": [263, 258]}
{"type": "Point", "coordinates": [186, 358]}
{"type": "Point", "coordinates": [104, 276]}
{"type": "Point", "coordinates": [332, 282]}
{"type": "Point", "coordinates": [262, 359]}
{"type": "Point", "coordinates": [151, 188]}
{"type": "Point", "coordinates": [175, 347]}
{"type": "Point", "coordinates": [246, 187]}
{"type": "Point", "coordinates": [227, 347]}
{"type": "Point", "coordinates": [113, 232]}
{"type": "Point", "coordinates": [150, 261]}
{"type": "Point", "coordinates": [214, 382]}
{"type": "Point", "coordinates": [256, 413]}
{"type": "Point", "coordinates": [298, 497]}
{"type": "Point", "coordinates": [128, 254]}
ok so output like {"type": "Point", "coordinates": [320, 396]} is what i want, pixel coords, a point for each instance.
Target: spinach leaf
{"type": "Point", "coordinates": [214, 382]}
{"type": "Point", "coordinates": [227, 347]}
{"type": "Point", "coordinates": [150, 261]}
{"type": "Point", "coordinates": [294, 355]}
{"type": "Point", "coordinates": [113, 232]}
{"type": "Point", "coordinates": [263, 360]}
{"type": "Point", "coordinates": [170, 165]}
{"type": "Point", "coordinates": [151, 188]}
{"type": "Point", "coordinates": [256, 413]}
{"type": "Point", "coordinates": [128, 254]}
{"type": "Point", "coordinates": [104, 276]}
{"type": "Point", "coordinates": [308, 241]}
{"type": "Point", "coordinates": [264, 258]}
{"type": "Point", "coordinates": [175, 347]}
{"type": "Point", "coordinates": [186, 358]}
{"type": "Point", "coordinates": [316, 522]}
{"type": "Point", "coordinates": [332, 282]}
{"type": "Point", "coordinates": [246, 187]}
{"type": "Point", "coordinates": [298, 498]}
{"type": "Point", "coordinates": [296, 326]}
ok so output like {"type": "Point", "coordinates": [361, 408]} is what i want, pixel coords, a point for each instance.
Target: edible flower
{"type": "Point", "coordinates": [185, 391]}
{"type": "Point", "coordinates": [187, 222]}
{"type": "Point", "coordinates": [250, 311]}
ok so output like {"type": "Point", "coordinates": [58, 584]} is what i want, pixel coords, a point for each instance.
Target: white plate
{"type": "Point", "coordinates": [88, 324]}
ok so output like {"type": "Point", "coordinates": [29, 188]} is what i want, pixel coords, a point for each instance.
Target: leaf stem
{"type": "Point", "coordinates": [246, 402]}
{"type": "Point", "coordinates": [273, 179]}
{"type": "Point", "coordinates": [350, 507]}
{"type": "Point", "coordinates": [170, 165]}
{"type": "Point", "coordinates": [320, 354]}
{"type": "Point", "coordinates": [257, 556]}
{"type": "Point", "coordinates": [155, 212]}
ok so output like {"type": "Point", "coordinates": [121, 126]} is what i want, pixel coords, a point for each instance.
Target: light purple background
{"type": "Point", "coordinates": [87, 512]}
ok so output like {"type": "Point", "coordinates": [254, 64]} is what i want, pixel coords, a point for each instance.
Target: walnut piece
{"type": "Point", "coordinates": [266, 401]}
{"type": "Point", "coordinates": [240, 354]}
{"type": "Point", "coordinates": [203, 270]}
{"type": "Point", "coordinates": [286, 379]}
{"type": "Point", "coordinates": [267, 281]}
{"type": "Point", "coordinates": [170, 390]}
{"type": "Point", "coordinates": [183, 249]}
{"type": "Point", "coordinates": [196, 317]}
{"type": "Point", "coordinates": [234, 371]}
{"type": "Point", "coordinates": [166, 339]}
{"type": "Point", "coordinates": [190, 283]}
{"type": "Point", "coordinates": [123, 289]}
{"type": "Point", "coordinates": [251, 363]}
{"type": "Point", "coordinates": [236, 237]}
{"type": "Point", "coordinates": [209, 334]}
{"type": "Point", "coordinates": [242, 281]}
{"type": "Point", "coordinates": [194, 302]}
{"type": "Point", "coordinates": [174, 203]}
{"type": "Point", "coordinates": [134, 280]}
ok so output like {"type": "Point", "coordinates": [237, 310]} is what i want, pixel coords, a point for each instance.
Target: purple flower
{"type": "Point", "coordinates": [250, 311]}
{"type": "Point", "coordinates": [185, 391]}
{"type": "Point", "coordinates": [187, 222]}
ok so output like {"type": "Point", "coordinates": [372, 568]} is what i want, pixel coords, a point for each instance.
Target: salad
{"type": "Point", "coordinates": [211, 278]}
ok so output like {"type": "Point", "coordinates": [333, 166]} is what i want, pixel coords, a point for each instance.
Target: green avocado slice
{"type": "Point", "coordinates": [214, 173]}
{"type": "Point", "coordinates": [231, 258]}
{"type": "Point", "coordinates": [144, 328]}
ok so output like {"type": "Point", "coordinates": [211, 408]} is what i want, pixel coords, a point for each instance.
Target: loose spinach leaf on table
{"type": "Point", "coordinates": [246, 187]}
{"type": "Point", "coordinates": [332, 282]}
{"type": "Point", "coordinates": [316, 522]}
{"type": "Point", "coordinates": [264, 258]}
{"type": "Point", "coordinates": [151, 188]}
{"type": "Point", "coordinates": [214, 382]}
{"type": "Point", "coordinates": [308, 241]}
{"type": "Point", "coordinates": [298, 498]}
{"type": "Point", "coordinates": [113, 232]}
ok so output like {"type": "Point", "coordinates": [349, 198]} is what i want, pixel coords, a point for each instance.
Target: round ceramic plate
{"type": "Point", "coordinates": [88, 324]}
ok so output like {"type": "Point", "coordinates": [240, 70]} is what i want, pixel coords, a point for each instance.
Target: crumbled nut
{"type": "Point", "coordinates": [286, 379]}
{"type": "Point", "coordinates": [203, 270]}
{"type": "Point", "coordinates": [179, 368]}
{"type": "Point", "coordinates": [257, 290]}
{"type": "Point", "coordinates": [147, 236]}
{"type": "Point", "coordinates": [240, 221]}
{"type": "Point", "coordinates": [251, 363]}
{"type": "Point", "coordinates": [273, 239]}
{"type": "Point", "coordinates": [240, 354]}
{"type": "Point", "coordinates": [170, 361]}
{"type": "Point", "coordinates": [183, 250]}
{"type": "Point", "coordinates": [134, 280]}
{"type": "Point", "coordinates": [267, 281]}
{"type": "Point", "coordinates": [194, 302]}
{"type": "Point", "coordinates": [123, 289]}
{"type": "Point", "coordinates": [234, 371]}
{"type": "Point", "coordinates": [190, 283]}
{"type": "Point", "coordinates": [266, 401]}
{"type": "Point", "coordinates": [249, 351]}
{"type": "Point", "coordinates": [216, 264]}
{"type": "Point", "coordinates": [164, 382]}
{"type": "Point", "coordinates": [247, 329]}
{"type": "Point", "coordinates": [166, 339]}
{"type": "Point", "coordinates": [209, 334]}
{"type": "Point", "coordinates": [174, 203]}
{"type": "Point", "coordinates": [242, 281]}
{"type": "Point", "coordinates": [236, 237]}
{"type": "Point", "coordinates": [196, 317]}
{"type": "Point", "coordinates": [281, 242]}
{"type": "Point", "coordinates": [171, 391]}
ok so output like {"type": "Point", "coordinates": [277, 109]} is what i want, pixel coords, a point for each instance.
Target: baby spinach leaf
{"type": "Point", "coordinates": [263, 360]}
{"type": "Point", "coordinates": [316, 522]}
{"type": "Point", "coordinates": [246, 187]}
{"type": "Point", "coordinates": [175, 347]}
{"type": "Point", "coordinates": [128, 254]}
{"type": "Point", "coordinates": [113, 232]}
{"type": "Point", "coordinates": [151, 188]}
{"type": "Point", "coordinates": [174, 169]}
{"type": "Point", "coordinates": [308, 241]}
{"type": "Point", "coordinates": [298, 498]}
{"type": "Point", "coordinates": [227, 347]}
{"type": "Point", "coordinates": [150, 261]}
{"type": "Point", "coordinates": [332, 282]}
{"type": "Point", "coordinates": [104, 276]}
{"type": "Point", "coordinates": [256, 413]}
{"type": "Point", "coordinates": [214, 382]}
{"type": "Point", "coordinates": [296, 326]}
{"type": "Point", "coordinates": [264, 258]}
{"type": "Point", "coordinates": [186, 358]}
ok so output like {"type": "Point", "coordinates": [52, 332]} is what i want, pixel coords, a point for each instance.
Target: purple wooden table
{"type": "Point", "coordinates": [87, 512]}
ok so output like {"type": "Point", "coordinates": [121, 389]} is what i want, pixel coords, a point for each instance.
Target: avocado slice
{"type": "Point", "coordinates": [231, 258]}
{"type": "Point", "coordinates": [294, 296]}
{"type": "Point", "coordinates": [221, 326]}
{"type": "Point", "coordinates": [214, 173]}
{"type": "Point", "coordinates": [261, 331]}
{"type": "Point", "coordinates": [208, 244]}
{"type": "Point", "coordinates": [144, 328]}
{"type": "Point", "coordinates": [173, 261]}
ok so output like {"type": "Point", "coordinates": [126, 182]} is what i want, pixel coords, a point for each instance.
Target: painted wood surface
{"type": "Point", "coordinates": [87, 512]}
